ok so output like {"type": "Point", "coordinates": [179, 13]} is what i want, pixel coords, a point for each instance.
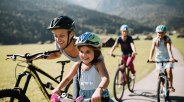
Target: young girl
{"type": "Point", "coordinates": [162, 44]}
{"type": "Point", "coordinates": [127, 48]}
{"type": "Point", "coordinates": [93, 76]}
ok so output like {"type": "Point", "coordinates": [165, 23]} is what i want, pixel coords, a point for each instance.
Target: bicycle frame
{"type": "Point", "coordinates": [30, 71]}
{"type": "Point", "coordinates": [33, 71]}
{"type": "Point", "coordinates": [125, 69]}
{"type": "Point", "coordinates": [162, 80]}
{"type": "Point", "coordinates": [125, 72]}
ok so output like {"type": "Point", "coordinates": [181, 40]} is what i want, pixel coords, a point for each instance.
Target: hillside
{"type": "Point", "coordinates": [25, 21]}
{"type": "Point", "coordinates": [147, 12]}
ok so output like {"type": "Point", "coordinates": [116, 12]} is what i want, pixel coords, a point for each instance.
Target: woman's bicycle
{"type": "Point", "coordinates": [30, 70]}
{"type": "Point", "coordinates": [121, 78]}
{"type": "Point", "coordinates": [163, 84]}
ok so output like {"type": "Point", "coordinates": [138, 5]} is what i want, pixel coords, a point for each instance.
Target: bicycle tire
{"type": "Point", "coordinates": [167, 90]}
{"type": "Point", "coordinates": [130, 81]}
{"type": "Point", "coordinates": [118, 89]}
{"type": "Point", "coordinates": [160, 91]}
{"type": "Point", "coordinates": [7, 94]}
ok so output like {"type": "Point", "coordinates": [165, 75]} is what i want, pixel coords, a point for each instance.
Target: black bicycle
{"type": "Point", "coordinates": [163, 84]}
{"type": "Point", "coordinates": [121, 78]}
{"type": "Point", "coordinates": [19, 93]}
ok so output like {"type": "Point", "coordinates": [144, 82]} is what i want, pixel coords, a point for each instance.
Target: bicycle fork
{"type": "Point", "coordinates": [26, 83]}
{"type": "Point", "coordinates": [23, 91]}
{"type": "Point", "coordinates": [164, 83]}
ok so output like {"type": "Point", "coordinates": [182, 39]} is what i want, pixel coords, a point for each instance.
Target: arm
{"type": "Point", "coordinates": [67, 79]}
{"type": "Point", "coordinates": [54, 55]}
{"type": "Point", "coordinates": [103, 84]}
{"type": "Point", "coordinates": [152, 51]}
{"type": "Point", "coordinates": [169, 48]}
{"type": "Point", "coordinates": [133, 48]}
{"type": "Point", "coordinates": [104, 74]}
{"type": "Point", "coordinates": [113, 47]}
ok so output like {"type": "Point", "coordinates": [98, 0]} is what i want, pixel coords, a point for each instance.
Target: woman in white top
{"type": "Point", "coordinates": [162, 45]}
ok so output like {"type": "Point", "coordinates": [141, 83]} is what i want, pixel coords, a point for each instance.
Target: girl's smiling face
{"type": "Point", "coordinates": [86, 54]}
{"type": "Point", "coordinates": [160, 34]}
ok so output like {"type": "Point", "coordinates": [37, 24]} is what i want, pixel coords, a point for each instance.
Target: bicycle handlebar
{"type": "Point", "coordinates": [114, 55]}
{"type": "Point", "coordinates": [161, 61]}
{"type": "Point", "coordinates": [28, 56]}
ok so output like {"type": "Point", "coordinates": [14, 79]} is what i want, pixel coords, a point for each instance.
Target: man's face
{"type": "Point", "coordinates": [61, 37]}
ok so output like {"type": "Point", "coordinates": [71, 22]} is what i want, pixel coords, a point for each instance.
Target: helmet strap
{"type": "Point", "coordinates": [68, 41]}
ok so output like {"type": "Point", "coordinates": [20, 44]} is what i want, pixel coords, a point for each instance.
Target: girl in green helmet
{"type": "Point", "coordinates": [162, 45]}
{"type": "Point", "coordinates": [93, 75]}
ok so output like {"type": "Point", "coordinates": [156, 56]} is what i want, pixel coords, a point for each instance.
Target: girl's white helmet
{"type": "Point", "coordinates": [124, 28]}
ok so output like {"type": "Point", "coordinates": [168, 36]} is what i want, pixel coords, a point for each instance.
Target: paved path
{"type": "Point", "coordinates": [145, 90]}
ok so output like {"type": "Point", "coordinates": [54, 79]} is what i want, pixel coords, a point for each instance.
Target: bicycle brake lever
{"type": "Point", "coordinates": [12, 56]}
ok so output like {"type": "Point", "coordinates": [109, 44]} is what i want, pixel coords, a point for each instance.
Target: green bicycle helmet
{"type": "Point", "coordinates": [124, 28]}
{"type": "Point", "coordinates": [89, 38]}
{"type": "Point", "coordinates": [161, 28]}
{"type": "Point", "coordinates": [63, 22]}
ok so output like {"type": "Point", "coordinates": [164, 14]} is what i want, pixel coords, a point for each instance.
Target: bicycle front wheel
{"type": "Point", "coordinates": [119, 85]}
{"type": "Point", "coordinates": [12, 95]}
{"type": "Point", "coordinates": [161, 91]}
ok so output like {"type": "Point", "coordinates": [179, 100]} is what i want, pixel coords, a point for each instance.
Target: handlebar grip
{"type": "Point", "coordinates": [9, 55]}
{"type": "Point", "coordinates": [113, 55]}
{"type": "Point", "coordinates": [53, 51]}
{"type": "Point", "coordinates": [175, 60]}
{"type": "Point", "coordinates": [148, 61]}
{"type": "Point", "coordinates": [87, 100]}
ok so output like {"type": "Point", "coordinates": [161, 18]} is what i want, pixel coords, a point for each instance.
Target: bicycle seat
{"type": "Point", "coordinates": [63, 62]}
{"type": "Point", "coordinates": [160, 74]}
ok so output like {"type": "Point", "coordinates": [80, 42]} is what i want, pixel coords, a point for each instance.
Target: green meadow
{"type": "Point", "coordinates": [7, 67]}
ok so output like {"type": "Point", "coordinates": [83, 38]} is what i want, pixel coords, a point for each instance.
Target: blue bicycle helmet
{"type": "Point", "coordinates": [63, 22]}
{"type": "Point", "coordinates": [89, 38]}
{"type": "Point", "coordinates": [124, 28]}
{"type": "Point", "coordinates": [161, 28]}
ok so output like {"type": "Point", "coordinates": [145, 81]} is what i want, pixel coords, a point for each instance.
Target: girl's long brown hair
{"type": "Point", "coordinates": [166, 40]}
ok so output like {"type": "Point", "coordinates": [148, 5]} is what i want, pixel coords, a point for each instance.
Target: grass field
{"type": "Point", "coordinates": [7, 67]}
